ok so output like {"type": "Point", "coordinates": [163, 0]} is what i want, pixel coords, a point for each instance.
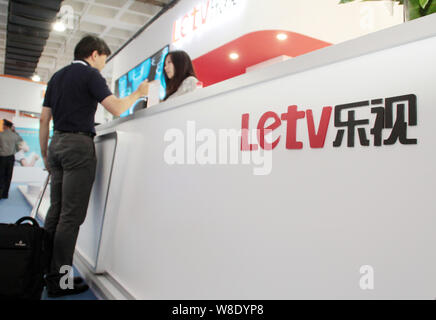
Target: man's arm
{"type": "Point", "coordinates": [44, 132]}
{"type": "Point", "coordinates": [118, 106]}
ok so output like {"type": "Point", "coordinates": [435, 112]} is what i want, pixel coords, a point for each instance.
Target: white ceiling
{"type": "Point", "coordinates": [115, 21]}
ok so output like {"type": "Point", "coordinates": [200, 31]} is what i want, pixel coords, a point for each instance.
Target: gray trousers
{"type": "Point", "coordinates": [72, 164]}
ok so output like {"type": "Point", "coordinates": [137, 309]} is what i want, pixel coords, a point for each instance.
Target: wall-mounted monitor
{"type": "Point", "coordinates": [151, 69]}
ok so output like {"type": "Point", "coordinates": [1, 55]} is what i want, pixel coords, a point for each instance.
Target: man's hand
{"type": "Point", "coordinates": [46, 163]}
{"type": "Point", "coordinates": [117, 106]}
{"type": "Point", "coordinates": [143, 88]}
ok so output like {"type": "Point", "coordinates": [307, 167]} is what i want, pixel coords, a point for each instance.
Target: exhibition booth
{"type": "Point", "coordinates": [301, 170]}
{"type": "Point", "coordinates": [346, 184]}
{"type": "Point", "coordinates": [258, 31]}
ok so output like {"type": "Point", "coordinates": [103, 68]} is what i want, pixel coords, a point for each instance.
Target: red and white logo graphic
{"type": "Point", "coordinates": [345, 121]}
{"type": "Point", "coordinates": [201, 15]}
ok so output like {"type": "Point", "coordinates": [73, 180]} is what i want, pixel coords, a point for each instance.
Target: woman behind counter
{"type": "Point", "coordinates": [179, 72]}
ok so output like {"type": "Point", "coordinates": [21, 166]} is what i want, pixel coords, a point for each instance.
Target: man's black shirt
{"type": "Point", "coordinates": [73, 94]}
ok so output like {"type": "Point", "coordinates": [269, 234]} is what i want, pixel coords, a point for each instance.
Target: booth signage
{"type": "Point", "coordinates": [202, 14]}
{"type": "Point", "coordinates": [383, 110]}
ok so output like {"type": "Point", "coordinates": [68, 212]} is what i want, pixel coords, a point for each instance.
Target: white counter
{"type": "Point", "coordinates": [307, 228]}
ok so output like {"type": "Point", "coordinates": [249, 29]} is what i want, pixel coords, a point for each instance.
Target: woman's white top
{"type": "Point", "coordinates": [188, 85]}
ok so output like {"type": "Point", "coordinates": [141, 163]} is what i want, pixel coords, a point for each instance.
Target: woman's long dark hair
{"type": "Point", "coordinates": [183, 69]}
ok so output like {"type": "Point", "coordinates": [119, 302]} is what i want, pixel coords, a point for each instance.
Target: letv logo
{"type": "Point", "coordinates": [385, 130]}
{"type": "Point", "coordinates": [206, 12]}
{"type": "Point", "coordinates": [256, 146]}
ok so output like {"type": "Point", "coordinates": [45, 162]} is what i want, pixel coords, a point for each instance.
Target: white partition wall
{"type": "Point", "coordinates": [12, 97]}
{"type": "Point", "coordinates": [341, 207]}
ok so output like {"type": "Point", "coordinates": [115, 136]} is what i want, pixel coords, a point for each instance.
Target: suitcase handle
{"type": "Point", "coordinates": [35, 208]}
{"type": "Point", "coordinates": [21, 220]}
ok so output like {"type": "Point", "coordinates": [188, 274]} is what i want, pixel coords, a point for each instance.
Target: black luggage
{"type": "Point", "coordinates": [24, 259]}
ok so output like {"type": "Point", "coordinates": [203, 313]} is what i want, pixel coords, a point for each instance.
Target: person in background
{"type": "Point", "coordinates": [19, 137]}
{"type": "Point", "coordinates": [180, 76]}
{"type": "Point", "coordinates": [9, 144]}
{"type": "Point", "coordinates": [71, 99]}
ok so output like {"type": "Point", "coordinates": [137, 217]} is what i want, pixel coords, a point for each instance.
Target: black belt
{"type": "Point", "coordinates": [89, 134]}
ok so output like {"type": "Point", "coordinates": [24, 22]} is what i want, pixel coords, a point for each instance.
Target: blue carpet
{"type": "Point", "coordinates": [14, 208]}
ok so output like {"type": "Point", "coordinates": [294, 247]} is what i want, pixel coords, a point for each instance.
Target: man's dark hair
{"type": "Point", "coordinates": [88, 45]}
{"type": "Point", "coordinates": [7, 123]}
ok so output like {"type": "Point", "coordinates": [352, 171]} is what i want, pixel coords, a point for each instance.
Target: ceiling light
{"type": "Point", "coordinates": [59, 26]}
{"type": "Point", "coordinates": [282, 36]}
{"type": "Point", "coordinates": [36, 78]}
{"type": "Point", "coordinates": [234, 56]}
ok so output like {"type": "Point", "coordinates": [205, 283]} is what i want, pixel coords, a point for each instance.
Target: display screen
{"type": "Point", "coordinates": [151, 69]}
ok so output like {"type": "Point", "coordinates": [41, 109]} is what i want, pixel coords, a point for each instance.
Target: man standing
{"type": "Point", "coordinates": [9, 144]}
{"type": "Point", "coordinates": [71, 100]}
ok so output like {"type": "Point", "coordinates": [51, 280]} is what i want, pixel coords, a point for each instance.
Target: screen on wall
{"type": "Point", "coordinates": [151, 69]}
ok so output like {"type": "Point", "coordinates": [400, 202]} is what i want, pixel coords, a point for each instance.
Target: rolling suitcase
{"type": "Point", "coordinates": [25, 252]}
